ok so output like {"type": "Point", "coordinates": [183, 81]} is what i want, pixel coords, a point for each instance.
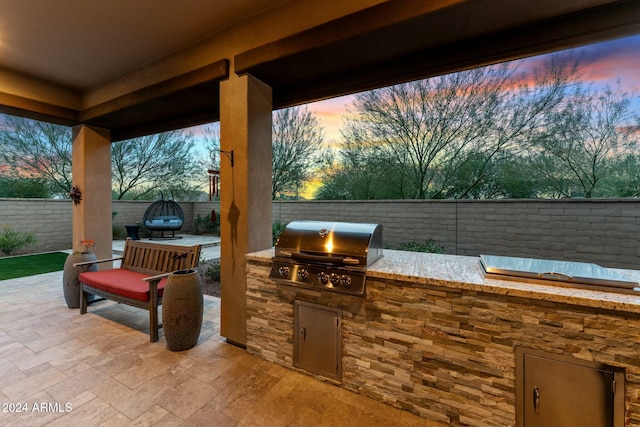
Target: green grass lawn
{"type": "Point", "coordinates": [29, 265]}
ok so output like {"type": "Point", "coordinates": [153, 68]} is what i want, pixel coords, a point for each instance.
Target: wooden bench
{"type": "Point", "coordinates": [141, 277]}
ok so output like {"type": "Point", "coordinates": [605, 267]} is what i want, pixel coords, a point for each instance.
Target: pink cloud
{"type": "Point", "coordinates": [604, 63]}
{"type": "Point", "coordinates": [329, 113]}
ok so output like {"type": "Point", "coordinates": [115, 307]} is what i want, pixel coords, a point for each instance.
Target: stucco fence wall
{"type": "Point", "coordinates": [601, 231]}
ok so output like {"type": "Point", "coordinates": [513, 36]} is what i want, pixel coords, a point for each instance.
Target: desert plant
{"type": "Point", "coordinates": [144, 231]}
{"type": "Point", "coordinates": [203, 224]}
{"type": "Point", "coordinates": [11, 241]}
{"type": "Point", "coordinates": [427, 246]}
{"type": "Point", "coordinates": [276, 229]}
{"type": "Point", "coordinates": [213, 272]}
{"type": "Point", "coordinates": [118, 232]}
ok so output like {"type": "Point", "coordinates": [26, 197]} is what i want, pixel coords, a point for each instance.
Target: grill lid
{"type": "Point", "coordinates": [341, 243]}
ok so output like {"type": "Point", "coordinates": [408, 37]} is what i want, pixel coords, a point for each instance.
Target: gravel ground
{"type": "Point", "coordinates": [209, 286]}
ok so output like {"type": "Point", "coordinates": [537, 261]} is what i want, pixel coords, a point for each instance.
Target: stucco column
{"type": "Point", "coordinates": [91, 157]}
{"type": "Point", "coordinates": [245, 192]}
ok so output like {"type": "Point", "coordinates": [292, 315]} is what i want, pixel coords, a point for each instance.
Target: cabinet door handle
{"type": "Point", "coordinates": [536, 399]}
{"type": "Point", "coordinates": [303, 334]}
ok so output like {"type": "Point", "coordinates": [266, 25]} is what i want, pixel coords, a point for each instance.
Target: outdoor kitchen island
{"type": "Point", "coordinates": [434, 336]}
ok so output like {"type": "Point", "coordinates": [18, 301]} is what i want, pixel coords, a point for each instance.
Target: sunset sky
{"type": "Point", "coordinates": [605, 63]}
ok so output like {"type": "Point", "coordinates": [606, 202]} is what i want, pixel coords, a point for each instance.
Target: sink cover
{"type": "Point", "coordinates": [565, 272]}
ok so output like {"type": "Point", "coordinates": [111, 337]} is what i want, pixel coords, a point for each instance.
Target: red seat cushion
{"type": "Point", "coordinates": [121, 282]}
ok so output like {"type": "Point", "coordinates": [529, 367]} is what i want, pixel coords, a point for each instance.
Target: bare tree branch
{"type": "Point", "coordinates": [297, 140]}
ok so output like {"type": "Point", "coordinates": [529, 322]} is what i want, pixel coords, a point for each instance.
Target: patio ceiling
{"type": "Point", "coordinates": [146, 66]}
{"type": "Point", "coordinates": [79, 46]}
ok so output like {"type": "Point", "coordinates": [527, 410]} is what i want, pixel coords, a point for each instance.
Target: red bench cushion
{"type": "Point", "coordinates": [122, 282]}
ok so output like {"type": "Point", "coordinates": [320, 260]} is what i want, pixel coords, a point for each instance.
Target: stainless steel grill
{"type": "Point", "coordinates": [326, 255]}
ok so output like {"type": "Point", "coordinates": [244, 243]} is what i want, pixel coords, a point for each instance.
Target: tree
{"type": "Point", "coordinates": [212, 148]}
{"type": "Point", "coordinates": [583, 138]}
{"type": "Point", "coordinates": [140, 166]}
{"type": "Point", "coordinates": [442, 136]}
{"type": "Point", "coordinates": [357, 175]}
{"type": "Point", "coordinates": [297, 140]}
{"type": "Point", "coordinates": [296, 148]}
{"type": "Point", "coordinates": [39, 150]}
{"type": "Point", "coordinates": [514, 179]}
{"type": "Point", "coordinates": [624, 179]}
{"type": "Point", "coordinates": [163, 162]}
{"type": "Point", "coordinates": [24, 188]}
{"type": "Point", "coordinates": [211, 162]}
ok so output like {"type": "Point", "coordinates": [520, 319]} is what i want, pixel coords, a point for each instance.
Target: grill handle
{"type": "Point", "coordinates": [324, 258]}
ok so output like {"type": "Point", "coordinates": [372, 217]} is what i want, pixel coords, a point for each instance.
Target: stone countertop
{"type": "Point", "coordinates": [466, 272]}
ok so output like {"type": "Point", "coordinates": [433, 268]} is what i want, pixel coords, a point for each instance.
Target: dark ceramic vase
{"type": "Point", "coordinates": [70, 283]}
{"type": "Point", "coordinates": [182, 309]}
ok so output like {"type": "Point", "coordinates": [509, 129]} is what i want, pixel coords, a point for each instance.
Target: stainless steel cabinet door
{"type": "Point", "coordinates": [567, 393]}
{"type": "Point", "coordinates": [317, 339]}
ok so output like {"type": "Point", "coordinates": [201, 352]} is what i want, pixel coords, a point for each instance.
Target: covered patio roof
{"type": "Point", "coordinates": [142, 67]}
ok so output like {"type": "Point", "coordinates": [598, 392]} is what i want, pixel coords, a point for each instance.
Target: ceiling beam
{"type": "Point", "coordinates": [216, 71]}
{"type": "Point", "coordinates": [38, 110]}
{"type": "Point", "coordinates": [320, 63]}
{"type": "Point", "coordinates": [182, 101]}
{"type": "Point", "coordinates": [186, 100]}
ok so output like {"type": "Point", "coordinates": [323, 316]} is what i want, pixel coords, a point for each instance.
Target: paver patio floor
{"type": "Point", "coordinates": [58, 367]}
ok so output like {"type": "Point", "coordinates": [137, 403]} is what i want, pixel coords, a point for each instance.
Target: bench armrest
{"type": "Point", "coordinates": [80, 264]}
{"type": "Point", "coordinates": [156, 278]}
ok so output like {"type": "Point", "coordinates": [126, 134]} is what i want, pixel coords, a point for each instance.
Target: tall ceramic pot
{"type": "Point", "coordinates": [70, 283]}
{"type": "Point", "coordinates": [182, 309]}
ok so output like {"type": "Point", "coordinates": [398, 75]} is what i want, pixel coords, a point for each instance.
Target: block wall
{"type": "Point", "coordinates": [49, 220]}
{"type": "Point", "coordinates": [601, 231]}
{"type": "Point", "coordinates": [402, 220]}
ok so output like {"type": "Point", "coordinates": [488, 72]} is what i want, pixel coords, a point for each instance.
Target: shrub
{"type": "Point", "coordinates": [427, 246]}
{"type": "Point", "coordinates": [203, 224]}
{"type": "Point", "coordinates": [117, 233]}
{"type": "Point", "coordinates": [144, 231]}
{"type": "Point", "coordinates": [11, 241]}
{"type": "Point", "coordinates": [276, 229]}
{"type": "Point", "coordinates": [213, 272]}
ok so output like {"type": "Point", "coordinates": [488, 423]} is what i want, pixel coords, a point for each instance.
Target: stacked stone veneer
{"type": "Point", "coordinates": [446, 354]}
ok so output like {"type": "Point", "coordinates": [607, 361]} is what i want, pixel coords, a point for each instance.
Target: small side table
{"type": "Point", "coordinates": [132, 231]}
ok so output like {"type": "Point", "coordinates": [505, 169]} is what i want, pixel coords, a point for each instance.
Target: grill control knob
{"type": "Point", "coordinates": [303, 274]}
{"type": "Point", "coordinates": [323, 277]}
{"type": "Point", "coordinates": [283, 271]}
{"type": "Point", "coordinates": [345, 281]}
{"type": "Point", "coordinates": [334, 279]}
